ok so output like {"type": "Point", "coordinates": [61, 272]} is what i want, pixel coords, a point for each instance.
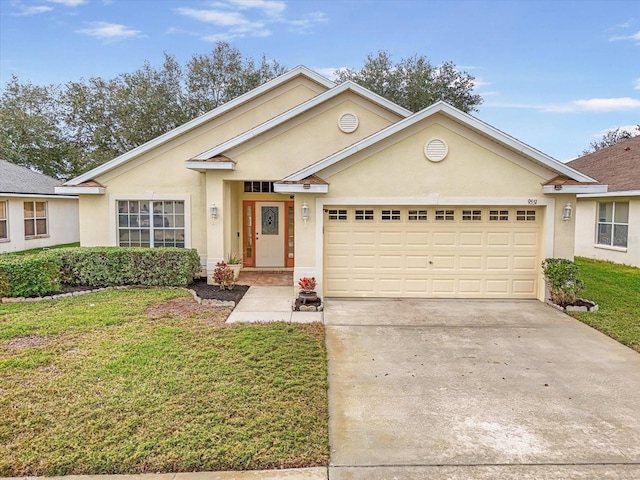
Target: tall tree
{"type": "Point", "coordinates": [610, 138]}
{"type": "Point", "coordinates": [414, 82]}
{"type": "Point", "coordinates": [223, 75]}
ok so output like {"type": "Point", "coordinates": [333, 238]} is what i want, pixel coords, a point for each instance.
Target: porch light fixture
{"type": "Point", "coordinates": [305, 212]}
{"type": "Point", "coordinates": [213, 210]}
{"type": "Point", "coordinates": [566, 212]}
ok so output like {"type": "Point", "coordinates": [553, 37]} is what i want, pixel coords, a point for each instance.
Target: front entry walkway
{"type": "Point", "coordinates": [426, 389]}
{"type": "Point", "coordinates": [270, 304]}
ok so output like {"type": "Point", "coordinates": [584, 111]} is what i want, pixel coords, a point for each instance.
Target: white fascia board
{"type": "Point", "coordinates": [71, 190]}
{"type": "Point", "coordinates": [623, 193]}
{"type": "Point", "coordinates": [39, 195]}
{"type": "Point", "coordinates": [196, 122]}
{"type": "Point", "coordinates": [461, 117]}
{"type": "Point", "coordinates": [299, 109]}
{"type": "Point", "coordinates": [575, 189]}
{"type": "Point", "coordinates": [299, 188]}
{"type": "Point", "coordinates": [204, 166]}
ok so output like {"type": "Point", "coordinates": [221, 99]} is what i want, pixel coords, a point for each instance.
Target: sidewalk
{"type": "Point", "coordinates": [270, 304]}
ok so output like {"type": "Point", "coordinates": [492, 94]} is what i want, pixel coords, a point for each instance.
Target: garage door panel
{"type": "Point", "coordinates": [434, 258]}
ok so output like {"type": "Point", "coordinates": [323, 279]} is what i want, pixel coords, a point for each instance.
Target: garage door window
{"type": "Point", "coordinates": [499, 215]}
{"type": "Point", "coordinates": [364, 214]}
{"type": "Point", "coordinates": [526, 215]}
{"type": "Point", "coordinates": [474, 215]}
{"type": "Point", "coordinates": [390, 214]}
{"type": "Point", "coordinates": [418, 215]}
{"type": "Point", "coordinates": [444, 215]}
{"type": "Point", "coordinates": [337, 214]}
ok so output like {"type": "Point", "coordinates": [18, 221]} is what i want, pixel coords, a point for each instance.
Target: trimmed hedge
{"type": "Point", "coordinates": [29, 275]}
{"type": "Point", "coordinates": [113, 266]}
{"type": "Point", "coordinates": [43, 273]}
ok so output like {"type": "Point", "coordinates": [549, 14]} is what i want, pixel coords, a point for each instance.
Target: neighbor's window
{"type": "Point", "coordinates": [4, 221]}
{"type": "Point", "coordinates": [613, 224]}
{"type": "Point", "coordinates": [151, 223]}
{"type": "Point", "coordinates": [35, 219]}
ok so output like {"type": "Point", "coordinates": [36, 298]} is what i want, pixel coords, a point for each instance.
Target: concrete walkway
{"type": "Point", "coordinates": [270, 304]}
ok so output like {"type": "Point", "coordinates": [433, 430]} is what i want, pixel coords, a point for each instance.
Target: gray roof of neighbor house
{"type": "Point", "coordinates": [617, 166]}
{"type": "Point", "coordinates": [21, 180]}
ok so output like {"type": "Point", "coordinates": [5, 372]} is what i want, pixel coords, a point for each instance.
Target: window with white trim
{"type": "Point", "coordinates": [417, 215]}
{"type": "Point", "coordinates": [151, 223]}
{"type": "Point", "coordinates": [613, 224]}
{"type": "Point", "coordinates": [35, 219]}
{"type": "Point", "coordinates": [4, 221]}
{"type": "Point", "coordinates": [444, 215]}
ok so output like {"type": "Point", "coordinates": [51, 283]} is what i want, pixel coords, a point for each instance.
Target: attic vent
{"type": "Point", "coordinates": [348, 123]}
{"type": "Point", "coordinates": [436, 149]}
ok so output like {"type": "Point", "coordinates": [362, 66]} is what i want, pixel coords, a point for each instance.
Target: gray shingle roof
{"type": "Point", "coordinates": [17, 179]}
{"type": "Point", "coordinates": [617, 166]}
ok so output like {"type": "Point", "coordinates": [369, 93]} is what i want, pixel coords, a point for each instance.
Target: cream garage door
{"type": "Point", "coordinates": [448, 252]}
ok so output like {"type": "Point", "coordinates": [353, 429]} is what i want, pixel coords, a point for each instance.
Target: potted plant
{"type": "Point", "coordinates": [307, 289]}
{"type": "Point", "coordinates": [234, 262]}
{"type": "Point", "coordinates": [223, 276]}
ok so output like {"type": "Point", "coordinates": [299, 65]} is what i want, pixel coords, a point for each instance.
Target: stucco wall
{"type": "Point", "coordinates": [62, 216]}
{"type": "Point", "coordinates": [586, 217]}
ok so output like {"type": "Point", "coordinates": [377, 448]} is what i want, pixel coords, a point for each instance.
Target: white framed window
{"type": "Point", "coordinates": [35, 219]}
{"type": "Point", "coordinates": [613, 224]}
{"type": "Point", "coordinates": [4, 221]}
{"type": "Point", "coordinates": [151, 223]}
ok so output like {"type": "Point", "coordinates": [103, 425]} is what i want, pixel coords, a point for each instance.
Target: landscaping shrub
{"type": "Point", "coordinates": [29, 275]}
{"type": "Point", "coordinates": [564, 284]}
{"type": "Point", "coordinates": [112, 266]}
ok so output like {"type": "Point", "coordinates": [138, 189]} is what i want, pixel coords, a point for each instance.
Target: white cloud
{"type": "Point", "coordinates": [35, 10]}
{"type": "Point", "coordinates": [329, 72]}
{"type": "Point", "coordinates": [637, 84]}
{"type": "Point", "coordinates": [248, 18]}
{"type": "Point", "coordinates": [109, 32]}
{"type": "Point", "coordinates": [597, 105]}
{"type": "Point", "coordinates": [68, 3]}
{"type": "Point", "coordinates": [633, 37]}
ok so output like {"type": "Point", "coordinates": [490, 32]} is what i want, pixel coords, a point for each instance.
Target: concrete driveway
{"type": "Point", "coordinates": [458, 389]}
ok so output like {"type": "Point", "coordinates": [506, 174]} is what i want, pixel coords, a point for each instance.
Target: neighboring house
{"type": "Point", "coordinates": [32, 215]}
{"type": "Point", "coordinates": [608, 225]}
{"type": "Point", "coordinates": [338, 183]}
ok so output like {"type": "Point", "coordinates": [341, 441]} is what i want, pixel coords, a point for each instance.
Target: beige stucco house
{"type": "Point", "coordinates": [608, 224]}
{"type": "Point", "coordinates": [336, 182]}
{"type": "Point", "coordinates": [32, 215]}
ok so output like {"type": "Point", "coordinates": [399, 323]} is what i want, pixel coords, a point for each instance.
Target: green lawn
{"type": "Point", "coordinates": [38, 250]}
{"type": "Point", "coordinates": [145, 380]}
{"type": "Point", "coordinates": [616, 289]}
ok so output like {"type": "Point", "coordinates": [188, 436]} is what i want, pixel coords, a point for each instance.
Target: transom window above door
{"type": "Point", "coordinates": [258, 187]}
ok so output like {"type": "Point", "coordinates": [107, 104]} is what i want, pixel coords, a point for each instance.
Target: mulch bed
{"type": "Point", "coordinates": [213, 292]}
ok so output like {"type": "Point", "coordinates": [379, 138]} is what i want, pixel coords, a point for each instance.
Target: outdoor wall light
{"type": "Point", "coordinates": [213, 210]}
{"type": "Point", "coordinates": [566, 212]}
{"type": "Point", "coordinates": [305, 212]}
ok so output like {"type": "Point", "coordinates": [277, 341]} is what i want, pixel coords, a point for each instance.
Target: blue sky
{"type": "Point", "coordinates": [554, 74]}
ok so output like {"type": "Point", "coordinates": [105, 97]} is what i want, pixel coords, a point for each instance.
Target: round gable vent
{"type": "Point", "coordinates": [436, 150]}
{"type": "Point", "coordinates": [348, 122]}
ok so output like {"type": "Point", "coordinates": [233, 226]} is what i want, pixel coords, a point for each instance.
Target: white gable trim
{"type": "Point", "coordinates": [300, 70]}
{"type": "Point", "coordinates": [622, 193]}
{"type": "Point", "coordinates": [457, 115]}
{"type": "Point", "coordinates": [595, 189]}
{"type": "Point", "coordinates": [299, 109]}
{"type": "Point", "coordinates": [71, 190]}
{"type": "Point", "coordinates": [204, 166]}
